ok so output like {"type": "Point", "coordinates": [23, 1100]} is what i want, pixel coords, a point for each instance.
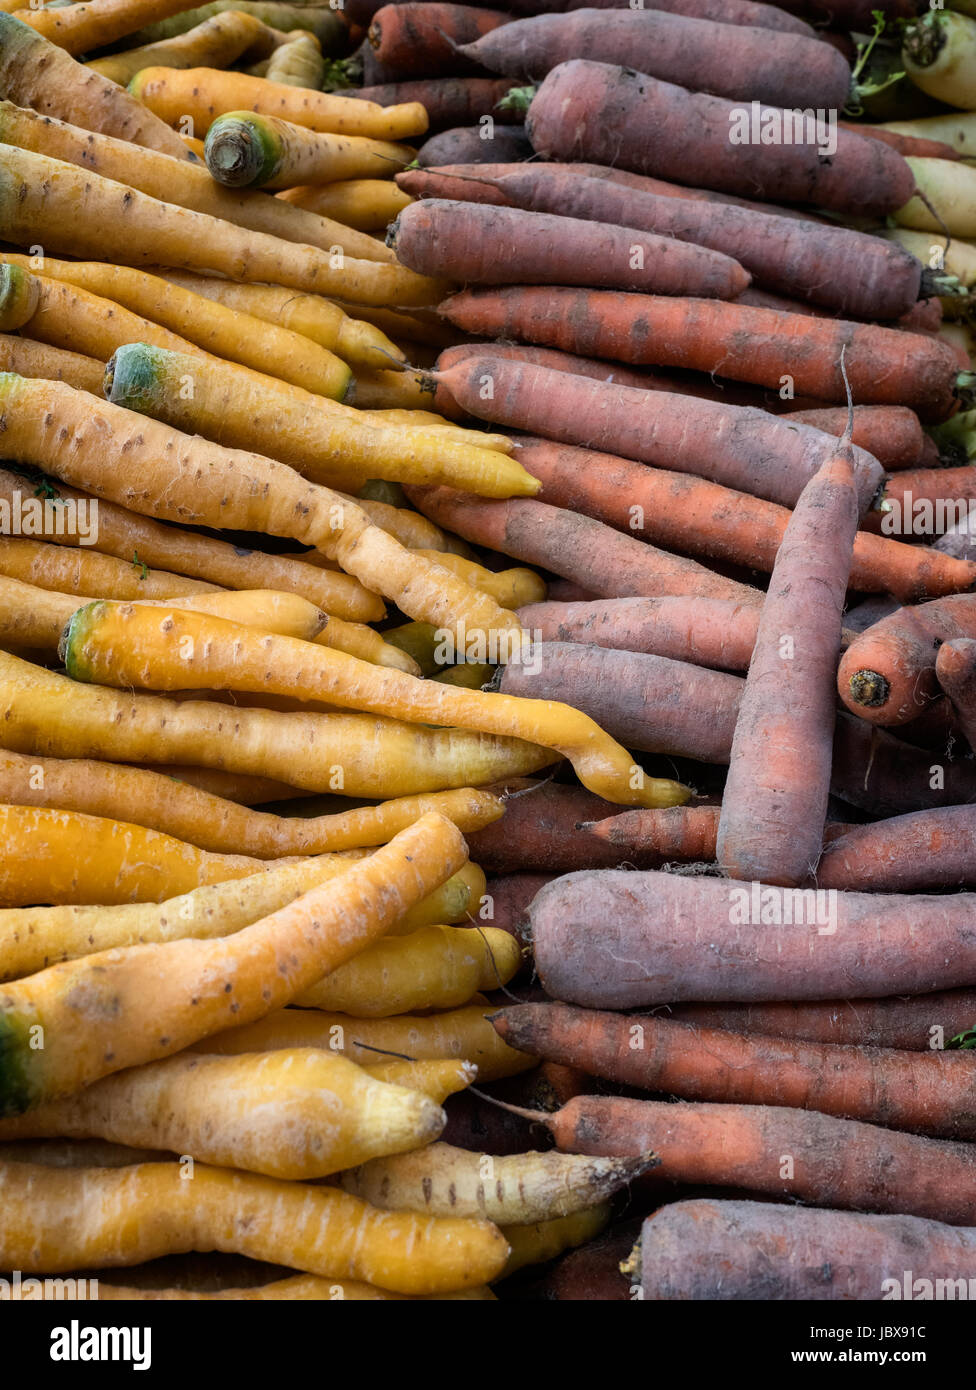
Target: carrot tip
{"type": "Point", "coordinates": [869, 688]}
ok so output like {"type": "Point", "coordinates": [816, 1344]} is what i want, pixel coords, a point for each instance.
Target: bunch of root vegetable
{"type": "Point", "coordinates": [487, 628]}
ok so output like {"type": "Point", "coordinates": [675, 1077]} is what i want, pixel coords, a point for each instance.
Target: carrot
{"type": "Point", "coordinates": [892, 433]}
{"type": "Point", "coordinates": [266, 965]}
{"type": "Point", "coordinates": [130, 1215]}
{"type": "Point", "coordinates": [837, 1163]}
{"type": "Point", "coordinates": [298, 63]}
{"type": "Point", "coordinates": [257, 413]}
{"type": "Point", "coordinates": [203, 94]}
{"type": "Point", "coordinates": [904, 1090]}
{"type": "Point", "coordinates": [861, 275]}
{"type": "Point", "coordinates": [558, 361]}
{"type": "Point", "coordinates": [904, 144]}
{"type": "Point", "coordinates": [939, 53]}
{"type": "Point", "coordinates": [355, 754]}
{"type": "Point", "coordinates": [928, 850]}
{"type": "Point", "coordinates": [845, 945]}
{"type": "Point", "coordinates": [542, 832]}
{"type": "Point", "coordinates": [125, 534]}
{"type": "Point", "coordinates": [436, 1079]}
{"type": "Point", "coordinates": [576, 547]}
{"type": "Point", "coordinates": [448, 101]}
{"type": "Point", "coordinates": [29, 358]}
{"type": "Point", "coordinates": [422, 40]}
{"type": "Point", "coordinates": [183, 184]}
{"type": "Point", "coordinates": [67, 857]}
{"type": "Point", "coordinates": [887, 675]}
{"type": "Point", "coordinates": [354, 340]}
{"type": "Point", "coordinates": [435, 967]}
{"type": "Point", "coordinates": [455, 1033]}
{"type": "Point", "coordinates": [83, 27]}
{"type": "Point", "coordinates": [523, 1189]}
{"type": "Point", "coordinates": [296, 1288]}
{"type": "Point", "coordinates": [244, 150]}
{"type": "Point", "coordinates": [109, 220]}
{"type": "Point", "coordinates": [956, 128]}
{"type": "Point", "coordinates": [506, 901]}
{"type": "Point", "coordinates": [366, 204]}
{"type": "Point", "coordinates": [460, 241]}
{"type": "Point", "coordinates": [655, 704]}
{"type": "Point", "coordinates": [36, 73]}
{"type": "Point", "coordinates": [227, 333]}
{"type": "Point", "coordinates": [212, 823]}
{"type": "Point", "coordinates": [686, 1251]}
{"type": "Point", "coordinates": [475, 144]}
{"type": "Point", "coordinates": [687, 136]}
{"type": "Point", "coordinates": [924, 501]}
{"type": "Point", "coordinates": [662, 428]}
{"type": "Point", "coordinates": [651, 840]}
{"type": "Point", "coordinates": [688, 514]}
{"type": "Point", "coordinates": [921, 1023]}
{"type": "Point", "coordinates": [19, 293]}
{"type": "Point", "coordinates": [651, 703]}
{"type": "Point", "coordinates": [216, 42]}
{"type": "Point", "coordinates": [774, 806]}
{"type": "Point", "coordinates": [87, 573]}
{"type": "Point", "coordinates": [950, 187]}
{"type": "Point", "coordinates": [328, 26]}
{"type": "Point", "coordinates": [955, 670]}
{"type": "Point", "coordinates": [512, 588]}
{"type": "Point", "coordinates": [756, 345]}
{"type": "Point", "coordinates": [239, 787]}
{"type": "Point", "coordinates": [718, 633]}
{"type": "Point", "coordinates": [296, 1115]}
{"type": "Point", "coordinates": [35, 938]}
{"type": "Point", "coordinates": [754, 64]}
{"type": "Point", "coordinates": [726, 11]}
{"type": "Point", "coordinates": [542, 1242]}
{"type": "Point", "coordinates": [255, 493]}
{"type": "Point", "coordinates": [132, 646]}
{"type": "Point", "coordinates": [592, 1273]}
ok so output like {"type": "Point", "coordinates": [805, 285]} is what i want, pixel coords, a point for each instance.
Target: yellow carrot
{"type": "Point", "coordinates": [357, 755]}
{"type": "Point", "coordinates": [213, 823]}
{"type": "Point", "coordinates": [87, 573]}
{"type": "Point", "coordinates": [38, 74]}
{"type": "Point", "coordinates": [369, 205]}
{"type": "Point", "coordinates": [512, 588]}
{"type": "Point", "coordinates": [544, 1240]}
{"type": "Point", "coordinates": [217, 42]}
{"type": "Point", "coordinates": [19, 293]}
{"type": "Point", "coordinates": [434, 968]}
{"type": "Point", "coordinates": [203, 94]}
{"type": "Point", "coordinates": [121, 1008]}
{"type": "Point", "coordinates": [295, 1288]}
{"type": "Point", "coordinates": [184, 184]}
{"type": "Point", "coordinates": [298, 1115]}
{"type": "Point", "coordinates": [124, 534]}
{"type": "Point", "coordinates": [80, 28]}
{"type": "Point", "coordinates": [68, 857]}
{"type": "Point", "coordinates": [458, 1033]}
{"type": "Point", "coordinates": [224, 332]}
{"type": "Point", "coordinates": [124, 644]}
{"type": "Point", "coordinates": [243, 150]}
{"type": "Point", "coordinates": [47, 202]}
{"type": "Point", "coordinates": [29, 358]}
{"type": "Point", "coordinates": [298, 64]}
{"type": "Point", "coordinates": [56, 1220]}
{"type": "Point", "coordinates": [174, 477]}
{"type": "Point", "coordinates": [437, 1079]}
{"type": "Point", "coordinates": [352, 339]}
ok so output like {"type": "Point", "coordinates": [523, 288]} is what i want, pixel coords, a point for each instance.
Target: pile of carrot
{"type": "Point", "coordinates": [487, 647]}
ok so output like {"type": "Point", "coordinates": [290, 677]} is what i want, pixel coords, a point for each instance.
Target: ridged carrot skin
{"type": "Point", "coordinates": [581, 108]}
{"type": "Point", "coordinates": [745, 343]}
{"type": "Point", "coordinates": [665, 429]}
{"type": "Point", "coordinates": [902, 1089]}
